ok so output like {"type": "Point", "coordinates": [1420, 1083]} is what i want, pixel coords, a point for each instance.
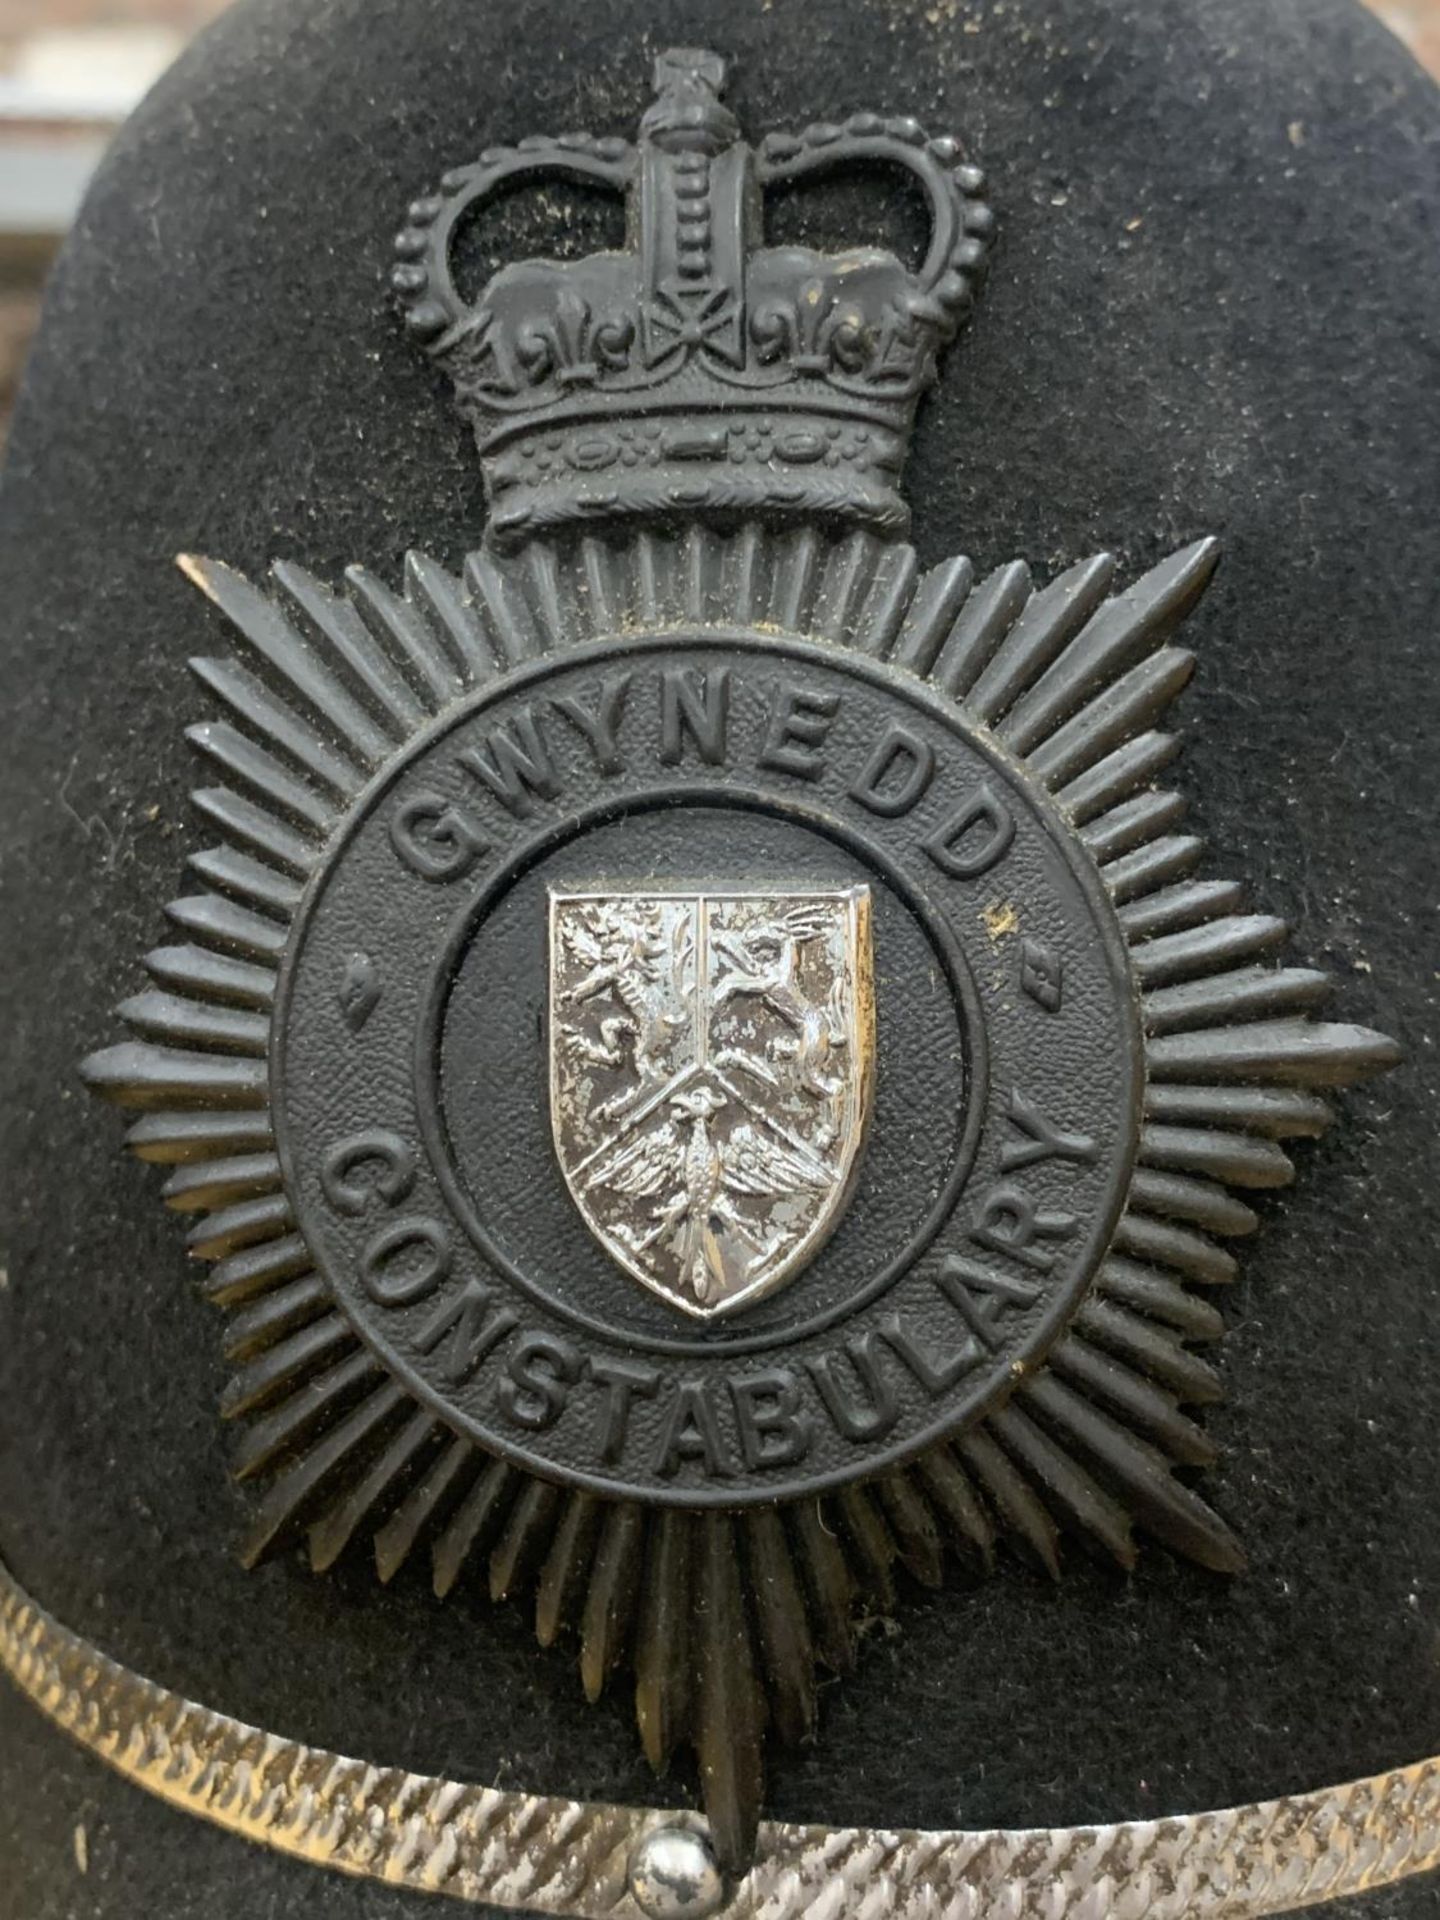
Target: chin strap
{"type": "Point", "coordinates": [594, 1861]}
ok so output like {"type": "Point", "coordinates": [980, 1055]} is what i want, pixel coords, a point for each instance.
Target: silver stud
{"type": "Point", "coordinates": [674, 1876]}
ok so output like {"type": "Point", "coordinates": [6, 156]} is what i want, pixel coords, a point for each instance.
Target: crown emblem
{"type": "Point", "coordinates": [699, 371]}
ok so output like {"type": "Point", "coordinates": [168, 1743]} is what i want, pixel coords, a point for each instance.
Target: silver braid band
{"type": "Point", "coordinates": [547, 1855]}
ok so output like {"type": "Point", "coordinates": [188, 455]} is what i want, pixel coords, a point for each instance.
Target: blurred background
{"type": "Point", "coordinates": [70, 70]}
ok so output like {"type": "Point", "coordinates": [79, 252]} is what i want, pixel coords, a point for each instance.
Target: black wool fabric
{"type": "Point", "coordinates": [1212, 311]}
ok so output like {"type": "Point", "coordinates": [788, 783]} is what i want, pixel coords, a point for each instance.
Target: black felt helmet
{"type": "Point", "coordinates": [814, 1247]}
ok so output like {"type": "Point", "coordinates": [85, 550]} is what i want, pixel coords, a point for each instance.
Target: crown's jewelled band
{"type": "Point", "coordinates": [699, 371]}
{"type": "Point", "coordinates": [565, 1857]}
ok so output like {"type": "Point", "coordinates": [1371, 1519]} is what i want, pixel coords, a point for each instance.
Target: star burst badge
{"type": "Point", "coordinates": [706, 1068]}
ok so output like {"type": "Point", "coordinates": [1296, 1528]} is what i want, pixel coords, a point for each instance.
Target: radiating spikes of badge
{"type": "Point", "coordinates": [912, 1527]}
{"type": "Point", "coordinates": [172, 1137]}
{"type": "Point", "coordinates": [782, 1625]}
{"type": "Point", "coordinates": [694, 567]}
{"type": "Point", "coordinates": [426, 1504]}
{"type": "Point", "coordinates": [210, 1184]}
{"type": "Point", "coordinates": [524, 1538]}
{"type": "Point", "coordinates": [1046, 625]}
{"type": "Point", "coordinates": [954, 1500]}
{"type": "Point", "coordinates": [168, 1136]}
{"type": "Point", "coordinates": [1159, 1296]}
{"type": "Point", "coordinates": [474, 1524]}
{"type": "Point", "coordinates": [842, 580]}
{"type": "Point", "coordinates": [282, 1433]}
{"type": "Point", "coordinates": [1203, 1203]}
{"type": "Point", "coordinates": [794, 578]}
{"type": "Point", "coordinates": [664, 1650]}
{"type": "Point", "coordinates": [235, 993]}
{"type": "Point", "coordinates": [348, 641]}
{"type": "Point", "coordinates": [1072, 1493]}
{"type": "Point", "coordinates": [134, 1074]}
{"type": "Point", "coordinates": [247, 880]}
{"type": "Point", "coordinates": [361, 1497]}
{"type": "Point", "coordinates": [1276, 1113]}
{"type": "Point", "coordinates": [1154, 1349]}
{"type": "Point", "coordinates": [1133, 823]}
{"type": "Point", "coordinates": [278, 643]}
{"type": "Point", "coordinates": [295, 1494]}
{"type": "Point", "coordinates": [1127, 705]}
{"type": "Point", "coordinates": [195, 1023]}
{"type": "Point", "coordinates": [1162, 1504]}
{"type": "Point", "coordinates": [1156, 864]}
{"type": "Point", "coordinates": [870, 1546]}
{"type": "Point", "coordinates": [1124, 630]}
{"type": "Point", "coordinates": [540, 588]}
{"type": "Point", "coordinates": [257, 829]}
{"type": "Point", "coordinates": [1022, 1513]}
{"type": "Point", "coordinates": [244, 1275]}
{"type": "Point", "coordinates": [275, 1315]}
{"type": "Point", "coordinates": [604, 583]}
{"type": "Point", "coordinates": [1240, 1159]}
{"type": "Point", "coordinates": [1217, 943]}
{"type": "Point", "coordinates": [1173, 909]}
{"type": "Point", "coordinates": [1243, 994]}
{"type": "Point", "coordinates": [565, 1576]}
{"type": "Point", "coordinates": [744, 569]}
{"type": "Point", "coordinates": [212, 976]}
{"type": "Point", "coordinates": [1191, 1254]}
{"type": "Point", "coordinates": [282, 791]}
{"type": "Point", "coordinates": [875, 624]}
{"type": "Point", "coordinates": [277, 722]}
{"type": "Point", "coordinates": [932, 613]}
{"type": "Point", "coordinates": [698, 570]}
{"type": "Point", "coordinates": [981, 624]}
{"type": "Point", "coordinates": [508, 625]}
{"type": "Point", "coordinates": [1126, 768]}
{"type": "Point", "coordinates": [848, 576]}
{"type": "Point", "coordinates": [612, 1595]}
{"type": "Point", "coordinates": [694, 558]}
{"type": "Point", "coordinates": [411, 635]}
{"type": "Point", "coordinates": [828, 1584]}
{"type": "Point", "coordinates": [275, 1373]}
{"type": "Point", "coordinates": [1145, 1406]}
{"type": "Point", "coordinates": [1303, 1053]}
{"type": "Point", "coordinates": [730, 1718]}
{"type": "Point", "coordinates": [235, 929]}
{"type": "Point", "coordinates": [647, 607]}
{"type": "Point", "coordinates": [240, 1225]}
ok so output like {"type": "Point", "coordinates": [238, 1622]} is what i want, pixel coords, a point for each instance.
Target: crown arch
{"type": "Point", "coordinates": [699, 371]}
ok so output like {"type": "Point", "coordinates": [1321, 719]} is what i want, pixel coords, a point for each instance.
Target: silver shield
{"type": "Point", "coordinates": [711, 1060]}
